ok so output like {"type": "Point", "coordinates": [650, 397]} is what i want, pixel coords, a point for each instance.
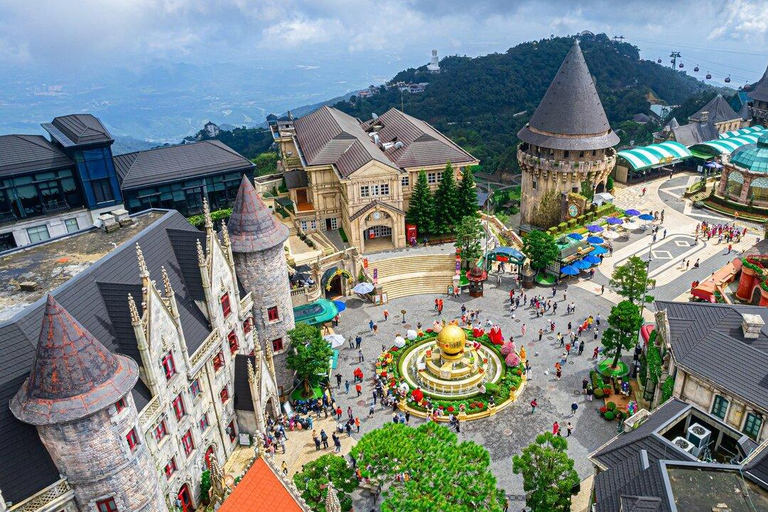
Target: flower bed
{"type": "Point", "coordinates": [491, 394]}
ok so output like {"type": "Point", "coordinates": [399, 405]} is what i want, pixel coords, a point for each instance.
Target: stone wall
{"type": "Point", "coordinates": [265, 275]}
{"type": "Point", "coordinates": [94, 455]}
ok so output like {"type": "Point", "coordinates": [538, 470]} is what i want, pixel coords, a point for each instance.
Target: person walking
{"type": "Point", "coordinates": [386, 315]}
{"type": "Point", "coordinates": [370, 325]}
{"type": "Point", "coordinates": [574, 408]}
{"type": "Point", "coordinates": [316, 439]}
{"type": "Point", "coordinates": [360, 356]}
{"type": "Point", "coordinates": [346, 386]}
{"type": "Point", "coordinates": [541, 334]}
{"type": "Point", "coordinates": [556, 428]}
{"type": "Point", "coordinates": [324, 439]}
{"type": "Point", "coordinates": [602, 289]}
{"type": "Point", "coordinates": [522, 330]}
{"type": "Point", "coordinates": [338, 381]}
{"type": "Point", "coordinates": [357, 424]}
{"type": "Point", "coordinates": [336, 442]}
{"type": "Point", "coordinates": [407, 416]}
{"type": "Point", "coordinates": [584, 385]}
{"type": "Point", "coordinates": [595, 353]}
{"type": "Point", "coordinates": [581, 347]}
{"type": "Point", "coordinates": [590, 392]}
{"type": "Point", "coordinates": [359, 389]}
{"type": "Point", "coordinates": [349, 412]}
{"type": "Point", "coordinates": [568, 429]}
{"type": "Point", "coordinates": [534, 404]}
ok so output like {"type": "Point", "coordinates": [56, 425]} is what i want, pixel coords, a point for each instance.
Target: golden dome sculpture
{"type": "Point", "coordinates": [451, 342]}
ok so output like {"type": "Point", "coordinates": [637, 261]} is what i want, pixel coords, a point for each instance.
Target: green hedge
{"type": "Point", "coordinates": [218, 215]}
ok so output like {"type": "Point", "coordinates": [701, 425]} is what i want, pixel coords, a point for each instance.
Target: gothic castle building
{"type": "Point", "coordinates": [566, 146]}
{"type": "Point", "coordinates": [123, 384]}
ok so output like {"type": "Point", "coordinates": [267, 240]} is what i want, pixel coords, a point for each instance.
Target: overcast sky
{"type": "Point", "coordinates": [62, 34]}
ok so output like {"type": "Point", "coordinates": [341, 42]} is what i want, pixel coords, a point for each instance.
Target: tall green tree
{"type": "Point", "coordinates": [421, 208]}
{"type": "Point", "coordinates": [541, 249]}
{"type": "Point", "coordinates": [312, 481]}
{"type": "Point", "coordinates": [443, 474]}
{"type": "Point", "coordinates": [469, 234]}
{"type": "Point", "coordinates": [548, 473]}
{"type": "Point", "coordinates": [447, 211]}
{"type": "Point", "coordinates": [309, 355]}
{"type": "Point", "coordinates": [623, 325]}
{"type": "Point", "coordinates": [467, 194]}
{"type": "Point", "coordinates": [631, 281]}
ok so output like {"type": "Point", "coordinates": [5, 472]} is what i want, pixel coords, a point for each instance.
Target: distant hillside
{"type": "Point", "coordinates": [474, 100]}
{"type": "Point", "coordinates": [249, 142]}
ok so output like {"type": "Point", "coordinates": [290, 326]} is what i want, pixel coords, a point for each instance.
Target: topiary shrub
{"type": "Point", "coordinates": [611, 406]}
{"type": "Point", "coordinates": [609, 415]}
{"type": "Point", "coordinates": [599, 393]}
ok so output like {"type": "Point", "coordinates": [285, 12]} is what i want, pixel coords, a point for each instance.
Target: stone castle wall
{"type": "Point", "coordinates": [265, 275]}
{"type": "Point", "coordinates": [94, 455]}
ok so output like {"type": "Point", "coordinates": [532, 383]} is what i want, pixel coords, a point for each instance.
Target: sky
{"type": "Point", "coordinates": [348, 44]}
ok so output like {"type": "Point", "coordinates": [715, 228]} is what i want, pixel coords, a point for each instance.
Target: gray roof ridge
{"type": "Point", "coordinates": [98, 263]}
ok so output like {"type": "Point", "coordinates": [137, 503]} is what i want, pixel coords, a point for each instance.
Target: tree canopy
{"type": "Point", "coordinates": [312, 481]}
{"type": "Point", "coordinates": [469, 235]}
{"type": "Point", "coordinates": [421, 208]}
{"type": "Point", "coordinates": [631, 281]}
{"type": "Point", "coordinates": [467, 194]}
{"type": "Point", "coordinates": [623, 325]}
{"type": "Point", "coordinates": [309, 355]}
{"type": "Point", "coordinates": [541, 249]}
{"type": "Point", "coordinates": [447, 208]}
{"type": "Point", "coordinates": [441, 474]}
{"type": "Point", "coordinates": [266, 163]}
{"type": "Point", "coordinates": [548, 473]}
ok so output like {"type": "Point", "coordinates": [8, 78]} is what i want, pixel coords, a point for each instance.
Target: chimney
{"type": "Point", "coordinates": [704, 117]}
{"type": "Point", "coordinates": [752, 325]}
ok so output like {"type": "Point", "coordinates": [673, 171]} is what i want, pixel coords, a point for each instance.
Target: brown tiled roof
{"type": "Point", "coordinates": [570, 116]}
{"type": "Point", "coordinates": [422, 144]}
{"type": "Point", "coordinates": [73, 374]}
{"type": "Point", "coordinates": [77, 130]}
{"type": "Point", "coordinates": [330, 137]}
{"type": "Point", "coordinates": [261, 490]}
{"type": "Point", "coordinates": [28, 153]}
{"type": "Point", "coordinates": [252, 226]}
{"type": "Point", "coordinates": [718, 110]}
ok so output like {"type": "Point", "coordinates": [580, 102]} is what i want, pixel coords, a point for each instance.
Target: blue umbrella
{"type": "Point", "coordinates": [569, 270]}
{"type": "Point", "coordinates": [340, 305]}
{"type": "Point", "coordinates": [646, 216]}
{"type": "Point", "coordinates": [595, 240]}
{"type": "Point", "coordinates": [575, 236]}
{"type": "Point", "coordinates": [581, 264]}
{"type": "Point", "coordinates": [614, 220]}
{"type": "Point", "coordinates": [632, 213]}
{"type": "Point", "coordinates": [598, 250]}
{"type": "Point", "coordinates": [592, 260]}
{"type": "Point", "coordinates": [594, 228]}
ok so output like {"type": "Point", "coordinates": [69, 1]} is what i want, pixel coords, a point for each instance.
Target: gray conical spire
{"type": "Point", "coordinates": [570, 116]}
{"type": "Point", "coordinates": [760, 92]}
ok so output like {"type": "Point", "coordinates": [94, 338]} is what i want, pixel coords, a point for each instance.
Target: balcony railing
{"type": "Point", "coordinates": [59, 493]}
{"type": "Point", "coordinates": [567, 165]}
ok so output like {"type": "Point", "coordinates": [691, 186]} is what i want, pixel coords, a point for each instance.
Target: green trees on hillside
{"type": "Point", "coordinates": [440, 213]}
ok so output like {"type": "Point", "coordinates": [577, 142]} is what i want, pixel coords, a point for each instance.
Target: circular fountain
{"type": "Point", "coordinates": [451, 366]}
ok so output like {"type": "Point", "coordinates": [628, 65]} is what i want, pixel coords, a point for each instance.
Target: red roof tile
{"type": "Point", "coordinates": [260, 490]}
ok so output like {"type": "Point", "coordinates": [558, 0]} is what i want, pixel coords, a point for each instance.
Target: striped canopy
{"type": "Point", "coordinates": [729, 145]}
{"type": "Point", "coordinates": [744, 131]}
{"type": "Point", "coordinates": [655, 155]}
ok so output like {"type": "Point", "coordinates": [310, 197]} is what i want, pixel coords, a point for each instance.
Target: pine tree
{"type": "Point", "coordinates": [421, 208]}
{"type": "Point", "coordinates": [467, 194]}
{"type": "Point", "coordinates": [447, 210]}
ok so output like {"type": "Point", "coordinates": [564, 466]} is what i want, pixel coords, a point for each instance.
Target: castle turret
{"type": "Point", "coordinates": [256, 240]}
{"type": "Point", "coordinates": [567, 144]}
{"type": "Point", "coordinates": [78, 395]}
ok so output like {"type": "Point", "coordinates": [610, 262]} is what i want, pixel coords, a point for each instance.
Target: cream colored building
{"type": "Point", "coordinates": [345, 174]}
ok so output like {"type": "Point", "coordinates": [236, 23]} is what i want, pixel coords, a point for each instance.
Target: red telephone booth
{"type": "Point", "coordinates": [411, 233]}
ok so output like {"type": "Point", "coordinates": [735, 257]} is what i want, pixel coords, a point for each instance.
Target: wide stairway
{"type": "Point", "coordinates": [414, 275]}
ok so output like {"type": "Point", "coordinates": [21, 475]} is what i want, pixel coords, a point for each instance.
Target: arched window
{"type": "Point", "coordinates": [735, 182]}
{"type": "Point", "coordinates": [758, 189]}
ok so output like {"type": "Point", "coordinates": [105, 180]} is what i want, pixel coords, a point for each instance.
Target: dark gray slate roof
{"type": "Point", "coordinates": [73, 375]}
{"type": "Point", "coordinates": [330, 137]}
{"type": "Point", "coordinates": [174, 163]}
{"type": "Point", "coordinates": [78, 130]}
{"type": "Point", "coordinates": [757, 467]}
{"type": "Point", "coordinates": [97, 299]}
{"type": "Point", "coordinates": [422, 144]}
{"type": "Point", "coordinates": [699, 330]}
{"type": "Point", "coordinates": [243, 397]}
{"type": "Point", "coordinates": [627, 474]}
{"type": "Point", "coordinates": [718, 110]}
{"type": "Point", "coordinates": [252, 226]}
{"type": "Point", "coordinates": [760, 92]}
{"type": "Point", "coordinates": [21, 154]}
{"type": "Point", "coordinates": [695, 133]}
{"type": "Point", "coordinates": [296, 179]}
{"type": "Point", "coordinates": [640, 504]}
{"type": "Point", "coordinates": [570, 116]}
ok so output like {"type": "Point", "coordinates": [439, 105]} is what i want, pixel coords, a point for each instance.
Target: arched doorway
{"type": "Point", "coordinates": [756, 296]}
{"type": "Point", "coordinates": [600, 188]}
{"type": "Point", "coordinates": [335, 287]}
{"type": "Point", "coordinates": [185, 499]}
{"type": "Point", "coordinates": [377, 238]}
{"type": "Point", "coordinates": [210, 454]}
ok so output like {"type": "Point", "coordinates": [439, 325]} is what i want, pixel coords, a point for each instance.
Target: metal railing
{"type": "Point", "coordinates": [59, 491]}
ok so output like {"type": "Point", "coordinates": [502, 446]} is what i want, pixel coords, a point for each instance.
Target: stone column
{"type": "Point", "coordinates": [746, 282]}
{"type": "Point", "coordinates": [723, 182]}
{"type": "Point", "coordinates": [744, 197]}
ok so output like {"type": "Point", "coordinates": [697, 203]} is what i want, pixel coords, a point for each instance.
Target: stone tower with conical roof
{"type": "Point", "coordinates": [759, 97]}
{"type": "Point", "coordinates": [567, 144]}
{"type": "Point", "coordinates": [78, 395]}
{"type": "Point", "coordinates": [257, 238]}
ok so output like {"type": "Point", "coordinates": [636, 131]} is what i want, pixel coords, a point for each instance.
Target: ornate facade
{"type": "Point", "coordinates": [567, 144]}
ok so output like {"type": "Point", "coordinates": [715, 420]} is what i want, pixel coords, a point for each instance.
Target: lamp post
{"type": "Point", "coordinates": [402, 311]}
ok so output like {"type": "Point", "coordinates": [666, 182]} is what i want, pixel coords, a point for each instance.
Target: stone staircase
{"type": "Point", "coordinates": [414, 275]}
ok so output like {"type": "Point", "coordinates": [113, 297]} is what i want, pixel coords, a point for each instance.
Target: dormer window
{"type": "Point", "coordinates": [225, 307]}
{"type": "Point", "coordinates": [169, 366]}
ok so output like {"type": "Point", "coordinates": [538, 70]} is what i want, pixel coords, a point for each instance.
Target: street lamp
{"type": "Point", "coordinates": [402, 311]}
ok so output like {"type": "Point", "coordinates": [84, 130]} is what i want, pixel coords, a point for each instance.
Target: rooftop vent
{"type": "Point", "coordinates": [752, 325]}
{"type": "Point", "coordinates": [683, 444]}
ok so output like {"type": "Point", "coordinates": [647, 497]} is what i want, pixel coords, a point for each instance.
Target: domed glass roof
{"type": "Point", "coordinates": [753, 157]}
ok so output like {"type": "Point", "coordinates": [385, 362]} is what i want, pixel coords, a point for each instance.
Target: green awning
{"type": "Point", "coordinates": [655, 155]}
{"type": "Point", "coordinates": [318, 312]}
{"type": "Point", "coordinates": [699, 154]}
{"type": "Point", "coordinates": [729, 145]}
{"type": "Point", "coordinates": [284, 202]}
{"type": "Point", "coordinates": [743, 131]}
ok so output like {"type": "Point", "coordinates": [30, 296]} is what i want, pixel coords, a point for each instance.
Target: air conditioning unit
{"type": "Point", "coordinates": [699, 436]}
{"type": "Point", "coordinates": [683, 444]}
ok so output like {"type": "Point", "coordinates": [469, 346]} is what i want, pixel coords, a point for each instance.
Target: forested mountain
{"type": "Point", "coordinates": [482, 102]}
{"type": "Point", "coordinates": [249, 142]}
